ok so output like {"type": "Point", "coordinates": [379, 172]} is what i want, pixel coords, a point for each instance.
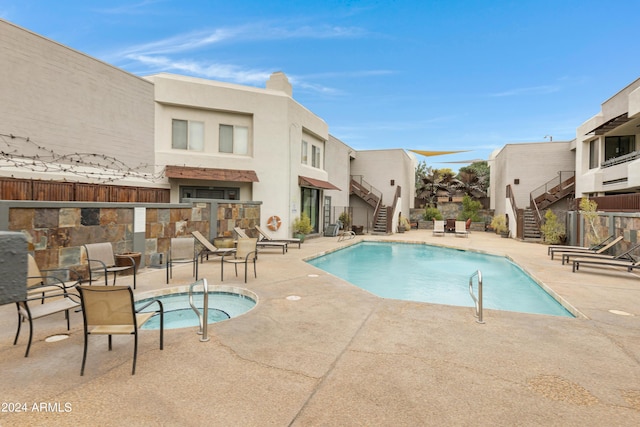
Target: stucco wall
{"type": "Point", "coordinates": [68, 102]}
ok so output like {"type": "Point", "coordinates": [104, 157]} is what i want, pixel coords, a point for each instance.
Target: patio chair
{"type": "Point", "coordinates": [110, 310]}
{"type": "Point", "coordinates": [592, 247]}
{"type": "Point", "coordinates": [261, 243]}
{"type": "Point", "coordinates": [629, 264]}
{"type": "Point", "coordinates": [49, 294]}
{"type": "Point", "coordinates": [182, 251]}
{"type": "Point", "coordinates": [438, 227]}
{"type": "Point", "coordinates": [601, 250]}
{"type": "Point", "coordinates": [461, 229]}
{"type": "Point", "coordinates": [450, 226]}
{"type": "Point", "coordinates": [102, 262]}
{"type": "Point", "coordinates": [246, 252]}
{"type": "Point", "coordinates": [208, 248]}
{"type": "Point", "coordinates": [267, 237]}
{"type": "Point", "coordinates": [625, 256]}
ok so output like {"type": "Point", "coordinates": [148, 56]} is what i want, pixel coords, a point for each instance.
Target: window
{"type": "Point", "coordinates": [234, 139]}
{"type": "Point", "coordinates": [305, 149]}
{"type": "Point", "coordinates": [593, 154]}
{"type": "Point", "coordinates": [616, 146]}
{"type": "Point", "coordinates": [315, 156]}
{"type": "Point", "coordinates": [187, 135]}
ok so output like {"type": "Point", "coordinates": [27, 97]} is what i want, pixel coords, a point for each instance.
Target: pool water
{"type": "Point", "coordinates": [434, 274]}
{"type": "Point", "coordinates": [179, 314]}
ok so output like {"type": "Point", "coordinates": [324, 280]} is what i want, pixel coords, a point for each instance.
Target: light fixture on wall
{"type": "Point", "coordinates": [516, 181]}
{"type": "Point", "coordinates": [393, 182]}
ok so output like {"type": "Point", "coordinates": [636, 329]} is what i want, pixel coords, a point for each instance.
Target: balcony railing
{"type": "Point", "coordinates": [621, 159]}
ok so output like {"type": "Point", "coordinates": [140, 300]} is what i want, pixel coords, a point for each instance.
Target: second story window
{"type": "Point", "coordinates": [305, 153]}
{"type": "Point", "coordinates": [616, 146]}
{"type": "Point", "coordinates": [234, 139]}
{"type": "Point", "coordinates": [187, 135]}
{"type": "Point", "coordinates": [316, 156]}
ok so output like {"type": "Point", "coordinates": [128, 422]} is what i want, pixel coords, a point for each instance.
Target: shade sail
{"type": "Point", "coordinates": [437, 153]}
{"type": "Point", "coordinates": [316, 183]}
{"type": "Point", "coordinates": [211, 174]}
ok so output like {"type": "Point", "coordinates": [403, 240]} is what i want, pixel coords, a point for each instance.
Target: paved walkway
{"type": "Point", "coordinates": [339, 356]}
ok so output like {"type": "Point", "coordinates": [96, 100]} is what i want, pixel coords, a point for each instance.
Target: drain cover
{"type": "Point", "coordinates": [56, 338]}
{"type": "Point", "coordinates": [620, 313]}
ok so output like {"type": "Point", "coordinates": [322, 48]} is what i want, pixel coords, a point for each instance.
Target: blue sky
{"type": "Point", "coordinates": [432, 75]}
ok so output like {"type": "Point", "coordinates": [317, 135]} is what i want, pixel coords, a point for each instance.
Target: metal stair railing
{"type": "Point", "coordinates": [203, 316]}
{"type": "Point", "coordinates": [477, 300]}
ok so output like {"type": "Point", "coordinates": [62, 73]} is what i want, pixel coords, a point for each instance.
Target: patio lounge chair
{"type": "Point", "coordinates": [629, 264]}
{"type": "Point", "coordinates": [110, 310]}
{"type": "Point", "coordinates": [208, 248]}
{"type": "Point", "coordinates": [601, 250]}
{"type": "Point", "coordinates": [262, 243]}
{"type": "Point", "coordinates": [182, 251]}
{"type": "Point", "coordinates": [46, 295]}
{"type": "Point", "coordinates": [346, 235]}
{"type": "Point", "coordinates": [461, 229]}
{"type": "Point", "coordinates": [438, 227]}
{"type": "Point", "coordinates": [246, 252]}
{"type": "Point", "coordinates": [267, 237]}
{"type": "Point", "coordinates": [593, 247]}
{"type": "Point", "coordinates": [102, 262]}
{"type": "Point", "coordinates": [623, 256]}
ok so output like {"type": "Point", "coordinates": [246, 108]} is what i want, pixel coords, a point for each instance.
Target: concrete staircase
{"type": "Point", "coordinates": [531, 229]}
{"type": "Point", "coordinates": [380, 226]}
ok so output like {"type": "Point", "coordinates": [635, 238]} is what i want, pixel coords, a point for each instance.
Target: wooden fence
{"type": "Point", "coordinates": [26, 189]}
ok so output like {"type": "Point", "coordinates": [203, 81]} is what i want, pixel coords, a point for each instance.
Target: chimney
{"type": "Point", "coordinates": [279, 81]}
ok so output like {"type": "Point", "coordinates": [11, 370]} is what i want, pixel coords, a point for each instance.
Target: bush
{"type": "Point", "coordinates": [470, 209]}
{"type": "Point", "coordinates": [431, 213]}
{"type": "Point", "coordinates": [345, 219]}
{"type": "Point", "coordinates": [499, 224]}
{"type": "Point", "coordinates": [302, 224]}
{"type": "Point", "coordinates": [553, 232]}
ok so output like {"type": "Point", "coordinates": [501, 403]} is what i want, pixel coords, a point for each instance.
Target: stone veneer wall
{"type": "Point", "coordinates": [56, 231]}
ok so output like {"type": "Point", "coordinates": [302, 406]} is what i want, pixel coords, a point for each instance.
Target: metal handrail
{"type": "Point", "coordinates": [477, 301]}
{"type": "Point", "coordinates": [203, 317]}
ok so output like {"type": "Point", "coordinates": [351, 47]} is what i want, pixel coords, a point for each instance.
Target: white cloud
{"type": "Point", "coordinates": [534, 90]}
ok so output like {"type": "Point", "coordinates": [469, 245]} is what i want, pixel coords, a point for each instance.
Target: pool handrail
{"type": "Point", "coordinates": [204, 316]}
{"type": "Point", "coordinates": [477, 301]}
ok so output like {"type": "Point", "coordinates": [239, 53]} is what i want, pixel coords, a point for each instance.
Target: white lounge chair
{"type": "Point", "coordinates": [266, 237]}
{"type": "Point", "coordinates": [262, 243]}
{"type": "Point", "coordinates": [461, 229]}
{"type": "Point", "coordinates": [438, 227]}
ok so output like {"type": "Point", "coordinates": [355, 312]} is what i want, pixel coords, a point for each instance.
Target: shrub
{"type": "Point", "coordinates": [431, 213]}
{"type": "Point", "coordinates": [499, 224]}
{"type": "Point", "coordinates": [470, 209]}
{"type": "Point", "coordinates": [345, 219]}
{"type": "Point", "coordinates": [302, 224]}
{"type": "Point", "coordinates": [552, 230]}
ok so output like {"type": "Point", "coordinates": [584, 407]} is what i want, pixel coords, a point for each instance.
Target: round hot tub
{"type": "Point", "coordinates": [225, 302]}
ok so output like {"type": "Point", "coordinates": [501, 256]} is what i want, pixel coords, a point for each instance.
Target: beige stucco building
{"type": "Point", "coordinates": [607, 155]}
{"type": "Point", "coordinates": [66, 110]}
{"type": "Point", "coordinates": [201, 139]}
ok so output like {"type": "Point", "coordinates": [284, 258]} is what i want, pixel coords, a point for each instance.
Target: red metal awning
{"type": "Point", "coordinates": [316, 183]}
{"type": "Point", "coordinates": [210, 174]}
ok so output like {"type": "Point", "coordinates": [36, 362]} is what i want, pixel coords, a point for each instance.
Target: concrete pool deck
{"type": "Point", "coordinates": [341, 356]}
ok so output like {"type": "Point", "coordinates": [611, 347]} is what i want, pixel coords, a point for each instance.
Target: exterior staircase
{"type": "Point", "coordinates": [373, 197]}
{"type": "Point", "coordinates": [531, 228]}
{"type": "Point", "coordinates": [380, 225]}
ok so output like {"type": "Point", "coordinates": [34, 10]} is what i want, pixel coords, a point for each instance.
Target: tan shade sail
{"type": "Point", "coordinates": [316, 183]}
{"type": "Point", "coordinates": [437, 153]}
{"type": "Point", "coordinates": [211, 174]}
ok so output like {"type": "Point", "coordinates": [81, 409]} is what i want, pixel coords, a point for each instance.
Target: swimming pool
{"type": "Point", "coordinates": [224, 303]}
{"type": "Point", "coordinates": [418, 272]}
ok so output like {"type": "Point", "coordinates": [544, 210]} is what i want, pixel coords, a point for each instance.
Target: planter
{"type": "Point", "coordinates": [124, 259]}
{"type": "Point", "coordinates": [223, 242]}
{"type": "Point", "coordinates": [299, 236]}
